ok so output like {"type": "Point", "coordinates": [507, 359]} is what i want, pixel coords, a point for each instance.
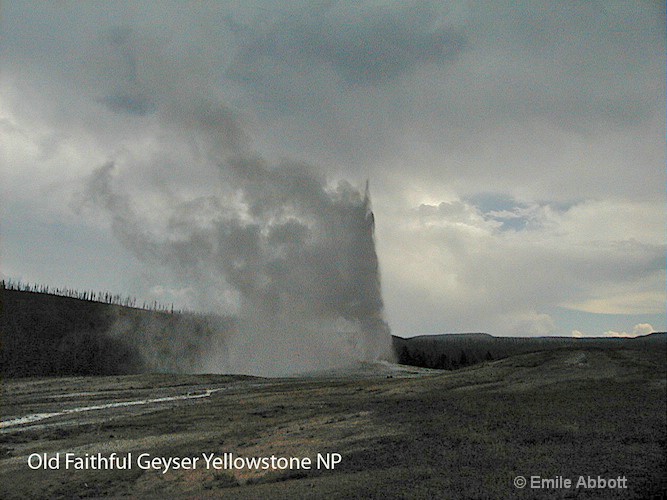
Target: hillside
{"type": "Point", "coordinates": [452, 351]}
{"type": "Point", "coordinates": [45, 334]}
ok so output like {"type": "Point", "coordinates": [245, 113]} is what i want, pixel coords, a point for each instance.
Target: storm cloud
{"type": "Point", "coordinates": [515, 152]}
{"type": "Point", "coordinates": [361, 44]}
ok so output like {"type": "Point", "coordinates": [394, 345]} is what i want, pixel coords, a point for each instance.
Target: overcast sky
{"type": "Point", "coordinates": [515, 150]}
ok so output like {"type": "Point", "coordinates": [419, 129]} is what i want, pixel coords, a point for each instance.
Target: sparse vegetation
{"type": "Point", "coordinates": [514, 407]}
{"type": "Point", "coordinates": [458, 435]}
{"type": "Point", "coordinates": [88, 295]}
{"type": "Point", "coordinates": [48, 334]}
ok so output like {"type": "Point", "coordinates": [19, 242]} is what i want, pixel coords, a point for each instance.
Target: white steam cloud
{"type": "Point", "coordinates": [295, 254]}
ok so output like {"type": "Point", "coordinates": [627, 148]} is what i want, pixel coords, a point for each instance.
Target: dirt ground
{"type": "Point", "coordinates": [396, 432]}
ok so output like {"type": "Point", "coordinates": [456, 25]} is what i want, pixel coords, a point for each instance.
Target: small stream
{"type": "Point", "coordinates": [36, 417]}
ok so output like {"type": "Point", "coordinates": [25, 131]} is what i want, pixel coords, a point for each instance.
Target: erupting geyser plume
{"type": "Point", "coordinates": [290, 256]}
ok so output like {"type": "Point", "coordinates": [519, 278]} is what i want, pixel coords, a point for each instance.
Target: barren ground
{"type": "Point", "coordinates": [401, 432]}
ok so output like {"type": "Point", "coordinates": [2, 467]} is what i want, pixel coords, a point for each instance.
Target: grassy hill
{"type": "Point", "coordinates": [44, 334]}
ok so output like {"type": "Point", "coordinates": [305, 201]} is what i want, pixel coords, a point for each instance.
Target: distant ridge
{"type": "Point", "coordinates": [433, 335]}
{"type": "Point", "coordinates": [480, 334]}
{"type": "Point", "coordinates": [450, 351]}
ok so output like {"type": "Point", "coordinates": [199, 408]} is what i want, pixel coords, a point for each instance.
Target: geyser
{"type": "Point", "coordinates": [291, 256]}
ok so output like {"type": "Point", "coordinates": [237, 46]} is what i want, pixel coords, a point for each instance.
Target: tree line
{"type": "Point", "coordinates": [91, 295]}
{"type": "Point", "coordinates": [440, 361]}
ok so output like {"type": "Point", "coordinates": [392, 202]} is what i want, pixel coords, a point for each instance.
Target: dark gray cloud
{"type": "Point", "coordinates": [133, 104]}
{"type": "Point", "coordinates": [467, 94]}
{"type": "Point", "coordinates": [361, 44]}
